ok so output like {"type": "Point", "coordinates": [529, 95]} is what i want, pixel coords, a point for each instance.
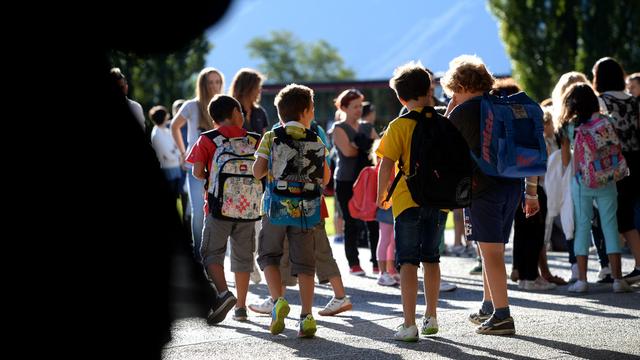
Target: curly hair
{"type": "Point", "coordinates": [469, 73]}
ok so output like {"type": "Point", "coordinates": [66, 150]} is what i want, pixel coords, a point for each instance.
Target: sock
{"type": "Point", "coordinates": [487, 307]}
{"type": "Point", "coordinates": [303, 316]}
{"type": "Point", "coordinates": [337, 298]}
{"type": "Point", "coordinates": [502, 313]}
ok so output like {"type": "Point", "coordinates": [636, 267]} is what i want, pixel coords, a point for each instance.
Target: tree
{"type": "Point", "coordinates": [545, 38]}
{"type": "Point", "coordinates": [288, 59]}
{"type": "Point", "coordinates": [162, 78]}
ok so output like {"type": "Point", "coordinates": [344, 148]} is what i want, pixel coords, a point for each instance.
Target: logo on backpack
{"type": "Point", "coordinates": [597, 153]}
{"type": "Point", "coordinates": [440, 169]}
{"type": "Point", "coordinates": [297, 168]}
{"type": "Point", "coordinates": [233, 192]}
{"type": "Point", "coordinates": [512, 137]}
{"type": "Point", "coordinates": [362, 204]}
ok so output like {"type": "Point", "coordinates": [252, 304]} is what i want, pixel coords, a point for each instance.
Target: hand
{"type": "Point", "coordinates": [382, 203]}
{"type": "Point", "coordinates": [531, 207]}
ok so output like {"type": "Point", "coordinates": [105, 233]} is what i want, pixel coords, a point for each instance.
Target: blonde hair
{"type": "Point", "coordinates": [469, 73]}
{"type": "Point", "coordinates": [204, 97]}
{"type": "Point", "coordinates": [244, 82]}
{"type": "Point", "coordinates": [557, 95]}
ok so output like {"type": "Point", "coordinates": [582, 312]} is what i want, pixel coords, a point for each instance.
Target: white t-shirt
{"type": "Point", "coordinates": [136, 109]}
{"type": "Point", "coordinates": [191, 112]}
{"type": "Point", "coordinates": [166, 149]}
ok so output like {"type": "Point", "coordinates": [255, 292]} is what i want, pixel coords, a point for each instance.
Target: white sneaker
{"type": "Point", "coordinates": [429, 325]}
{"type": "Point", "coordinates": [255, 275]}
{"type": "Point", "coordinates": [336, 306]}
{"type": "Point", "coordinates": [621, 285]}
{"type": "Point", "coordinates": [396, 277]}
{"type": "Point", "coordinates": [579, 286]}
{"type": "Point", "coordinates": [406, 333]}
{"type": "Point", "coordinates": [574, 273]}
{"type": "Point", "coordinates": [263, 307]}
{"type": "Point", "coordinates": [538, 284]}
{"type": "Point", "coordinates": [386, 280]}
{"type": "Point", "coordinates": [446, 286]}
{"type": "Point", "coordinates": [604, 272]}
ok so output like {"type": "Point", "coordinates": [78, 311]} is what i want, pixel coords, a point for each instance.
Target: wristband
{"type": "Point", "coordinates": [530, 197]}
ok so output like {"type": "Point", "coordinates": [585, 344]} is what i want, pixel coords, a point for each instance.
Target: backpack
{"type": "Point", "coordinates": [511, 136]}
{"type": "Point", "coordinates": [233, 192]}
{"type": "Point", "coordinates": [597, 153]}
{"type": "Point", "coordinates": [363, 203]}
{"type": "Point", "coordinates": [440, 169]}
{"type": "Point", "coordinates": [626, 115]}
{"type": "Point", "coordinates": [297, 168]}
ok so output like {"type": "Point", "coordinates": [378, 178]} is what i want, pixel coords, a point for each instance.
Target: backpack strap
{"type": "Point", "coordinates": [281, 133]}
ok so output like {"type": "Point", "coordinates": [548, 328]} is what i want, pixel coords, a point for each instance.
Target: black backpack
{"type": "Point", "coordinates": [440, 169]}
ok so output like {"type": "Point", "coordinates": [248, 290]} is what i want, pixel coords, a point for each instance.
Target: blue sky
{"type": "Point", "coordinates": [373, 37]}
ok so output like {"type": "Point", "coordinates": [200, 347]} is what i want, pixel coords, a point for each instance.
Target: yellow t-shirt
{"type": "Point", "coordinates": [395, 145]}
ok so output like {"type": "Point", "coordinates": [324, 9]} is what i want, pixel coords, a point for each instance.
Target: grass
{"type": "Point", "coordinates": [328, 225]}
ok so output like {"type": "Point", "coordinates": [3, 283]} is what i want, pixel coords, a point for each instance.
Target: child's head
{"type": "Point", "coordinates": [633, 84]}
{"type": "Point", "coordinates": [411, 81]}
{"type": "Point", "coordinates": [506, 86]}
{"type": "Point", "coordinates": [225, 110]}
{"type": "Point", "coordinates": [349, 103]}
{"type": "Point", "coordinates": [159, 115]}
{"type": "Point", "coordinates": [176, 106]}
{"type": "Point", "coordinates": [119, 78]}
{"type": "Point", "coordinates": [547, 118]}
{"type": "Point", "coordinates": [295, 103]}
{"type": "Point", "coordinates": [368, 112]}
{"type": "Point", "coordinates": [467, 73]}
{"type": "Point", "coordinates": [566, 80]}
{"type": "Point", "coordinates": [608, 75]}
{"type": "Point", "coordinates": [579, 100]}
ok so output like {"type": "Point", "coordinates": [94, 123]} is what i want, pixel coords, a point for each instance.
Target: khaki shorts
{"type": "Point", "coordinates": [301, 247]}
{"type": "Point", "coordinates": [215, 234]}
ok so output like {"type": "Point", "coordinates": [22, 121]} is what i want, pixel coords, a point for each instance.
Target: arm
{"type": "Point", "coordinates": [176, 124]}
{"type": "Point", "coordinates": [531, 204]}
{"type": "Point", "coordinates": [566, 152]}
{"type": "Point", "coordinates": [384, 174]}
{"type": "Point", "coordinates": [199, 172]}
{"type": "Point", "coordinates": [341, 140]}
{"type": "Point", "coordinates": [327, 173]}
{"type": "Point", "coordinates": [374, 134]}
{"type": "Point", "coordinates": [260, 168]}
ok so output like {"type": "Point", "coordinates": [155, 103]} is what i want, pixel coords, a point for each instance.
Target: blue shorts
{"type": "Point", "coordinates": [417, 232]}
{"type": "Point", "coordinates": [490, 218]}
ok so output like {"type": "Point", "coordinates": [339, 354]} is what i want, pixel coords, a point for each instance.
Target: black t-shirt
{"type": "Point", "coordinates": [258, 121]}
{"type": "Point", "coordinates": [466, 117]}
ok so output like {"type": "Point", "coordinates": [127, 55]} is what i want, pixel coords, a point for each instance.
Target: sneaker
{"type": "Point", "coordinates": [376, 270]}
{"type": "Point", "coordinates": [495, 326]}
{"type": "Point", "coordinates": [386, 280]}
{"type": "Point", "coordinates": [606, 280]}
{"type": "Point", "coordinates": [620, 286]}
{"type": "Point", "coordinates": [307, 327]}
{"type": "Point", "coordinates": [479, 317]}
{"type": "Point", "coordinates": [604, 272]}
{"type": "Point", "coordinates": [579, 286]}
{"type": "Point", "coordinates": [632, 277]}
{"type": "Point", "coordinates": [574, 273]}
{"type": "Point", "coordinates": [457, 250]}
{"type": "Point", "coordinates": [278, 314]}
{"type": "Point", "coordinates": [555, 279]}
{"type": "Point", "coordinates": [538, 284]}
{"type": "Point", "coordinates": [515, 275]}
{"type": "Point", "coordinates": [409, 334]}
{"type": "Point", "coordinates": [356, 270]}
{"type": "Point", "coordinates": [263, 307]}
{"type": "Point", "coordinates": [338, 239]}
{"type": "Point", "coordinates": [429, 325]}
{"type": "Point", "coordinates": [396, 277]}
{"type": "Point", "coordinates": [447, 286]}
{"type": "Point", "coordinates": [222, 306]}
{"type": "Point", "coordinates": [477, 270]}
{"type": "Point", "coordinates": [336, 306]}
{"type": "Point", "coordinates": [255, 275]}
{"type": "Point", "coordinates": [240, 314]}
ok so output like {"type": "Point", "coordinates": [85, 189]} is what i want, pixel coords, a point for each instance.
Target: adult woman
{"type": "Point", "coordinates": [194, 114]}
{"type": "Point", "coordinates": [246, 87]}
{"type": "Point", "coordinates": [353, 139]}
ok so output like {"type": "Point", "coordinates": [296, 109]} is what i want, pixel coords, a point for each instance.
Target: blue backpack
{"type": "Point", "coordinates": [511, 137]}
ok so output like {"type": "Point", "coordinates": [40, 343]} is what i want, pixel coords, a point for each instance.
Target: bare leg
{"type": "Point", "coordinates": [432, 291]}
{"type": "Point", "coordinates": [242, 287]}
{"type": "Point", "coordinates": [496, 276]}
{"type": "Point", "coordinates": [274, 281]}
{"type": "Point", "coordinates": [216, 272]}
{"type": "Point", "coordinates": [409, 291]}
{"type": "Point", "coordinates": [582, 267]}
{"type": "Point", "coordinates": [306, 284]}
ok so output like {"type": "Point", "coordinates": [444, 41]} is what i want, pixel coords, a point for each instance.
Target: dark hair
{"type": "Point", "coordinates": [580, 101]}
{"type": "Point", "coordinates": [506, 86]}
{"type": "Point", "coordinates": [410, 81]}
{"type": "Point", "coordinates": [608, 75]}
{"type": "Point", "coordinates": [367, 108]}
{"type": "Point", "coordinates": [347, 96]}
{"type": "Point", "coordinates": [158, 114]}
{"type": "Point", "coordinates": [116, 74]}
{"type": "Point", "coordinates": [221, 107]}
{"type": "Point", "coordinates": [292, 101]}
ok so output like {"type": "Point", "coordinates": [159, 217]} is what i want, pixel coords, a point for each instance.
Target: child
{"type": "Point", "coordinates": [165, 148]}
{"type": "Point", "coordinates": [417, 228]}
{"type": "Point", "coordinates": [228, 144]}
{"type": "Point", "coordinates": [293, 159]}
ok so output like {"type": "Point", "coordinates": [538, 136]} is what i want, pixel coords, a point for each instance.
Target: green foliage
{"type": "Point", "coordinates": [162, 78]}
{"type": "Point", "coordinates": [546, 39]}
{"type": "Point", "coordinates": [288, 59]}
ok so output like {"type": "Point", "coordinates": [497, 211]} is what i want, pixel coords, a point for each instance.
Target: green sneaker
{"type": "Point", "coordinates": [278, 314]}
{"type": "Point", "coordinates": [429, 325]}
{"type": "Point", "coordinates": [307, 327]}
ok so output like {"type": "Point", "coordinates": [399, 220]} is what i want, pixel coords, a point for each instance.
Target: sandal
{"type": "Point", "coordinates": [556, 280]}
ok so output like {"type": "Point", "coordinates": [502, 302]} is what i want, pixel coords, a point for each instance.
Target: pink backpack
{"type": "Point", "coordinates": [363, 203]}
{"type": "Point", "coordinates": [597, 153]}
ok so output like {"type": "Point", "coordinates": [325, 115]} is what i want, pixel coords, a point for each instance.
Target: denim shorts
{"type": "Point", "coordinates": [417, 232]}
{"type": "Point", "coordinates": [490, 217]}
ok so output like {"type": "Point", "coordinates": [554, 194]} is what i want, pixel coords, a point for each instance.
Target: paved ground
{"type": "Point", "coordinates": [550, 325]}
